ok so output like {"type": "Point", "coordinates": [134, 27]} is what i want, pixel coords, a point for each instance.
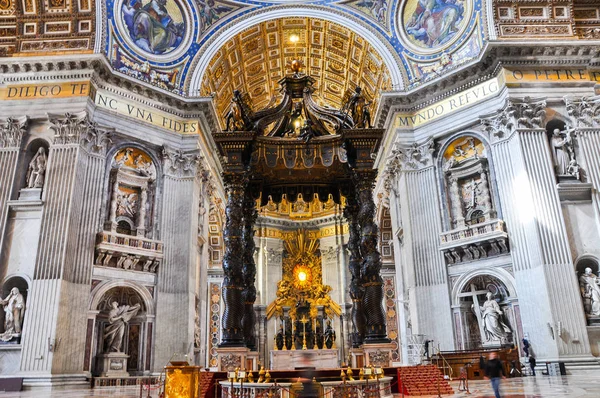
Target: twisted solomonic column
{"type": "Point", "coordinates": [356, 288]}
{"type": "Point", "coordinates": [233, 283]}
{"type": "Point", "coordinates": [372, 283]}
{"type": "Point", "coordinates": [249, 271]}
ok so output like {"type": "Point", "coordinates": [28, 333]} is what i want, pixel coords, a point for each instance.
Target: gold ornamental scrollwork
{"type": "Point", "coordinates": [302, 278]}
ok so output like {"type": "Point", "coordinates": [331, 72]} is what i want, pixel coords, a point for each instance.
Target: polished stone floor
{"type": "Point", "coordinates": [586, 386]}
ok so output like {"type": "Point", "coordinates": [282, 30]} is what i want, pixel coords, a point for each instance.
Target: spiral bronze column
{"type": "Point", "coordinates": [249, 271]}
{"type": "Point", "coordinates": [233, 283]}
{"type": "Point", "coordinates": [356, 288]}
{"type": "Point", "coordinates": [372, 283]}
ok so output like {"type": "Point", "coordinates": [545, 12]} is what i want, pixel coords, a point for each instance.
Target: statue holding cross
{"type": "Point", "coordinates": [494, 331]}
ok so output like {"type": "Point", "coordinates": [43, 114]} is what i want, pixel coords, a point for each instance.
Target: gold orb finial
{"type": "Point", "coordinates": [296, 65]}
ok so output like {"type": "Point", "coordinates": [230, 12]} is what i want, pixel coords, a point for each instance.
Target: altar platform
{"type": "Point", "coordinates": [293, 359]}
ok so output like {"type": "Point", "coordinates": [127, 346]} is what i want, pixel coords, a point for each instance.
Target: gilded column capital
{"type": "Point", "coordinates": [518, 114]}
{"type": "Point", "coordinates": [178, 163]}
{"type": "Point", "coordinates": [584, 111]}
{"type": "Point", "coordinates": [12, 131]}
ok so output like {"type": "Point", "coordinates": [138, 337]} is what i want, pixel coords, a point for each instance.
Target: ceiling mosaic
{"type": "Point", "coordinates": [162, 41]}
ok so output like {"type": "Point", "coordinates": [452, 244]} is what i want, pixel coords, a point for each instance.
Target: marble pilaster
{"type": "Point", "coordinates": [175, 283]}
{"type": "Point", "coordinates": [426, 281]}
{"type": "Point", "coordinates": [11, 135]}
{"type": "Point", "coordinates": [54, 338]}
{"type": "Point", "coordinates": [546, 284]}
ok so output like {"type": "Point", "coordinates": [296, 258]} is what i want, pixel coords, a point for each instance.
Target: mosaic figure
{"type": "Point", "coordinates": [433, 22]}
{"type": "Point", "coordinates": [155, 26]}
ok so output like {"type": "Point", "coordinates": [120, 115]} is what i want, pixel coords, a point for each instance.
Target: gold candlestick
{"type": "Point", "coordinates": [304, 321]}
{"type": "Point", "coordinates": [315, 346]}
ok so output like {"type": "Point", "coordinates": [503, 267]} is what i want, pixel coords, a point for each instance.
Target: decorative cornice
{"type": "Point", "coordinates": [12, 131]}
{"type": "Point", "coordinates": [526, 113]}
{"type": "Point", "coordinates": [180, 164]}
{"type": "Point", "coordinates": [585, 112]}
{"type": "Point", "coordinates": [69, 128]}
{"type": "Point", "coordinates": [497, 55]}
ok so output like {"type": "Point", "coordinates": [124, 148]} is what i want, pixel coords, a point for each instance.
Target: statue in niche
{"type": "Point", "coordinates": [563, 152]}
{"type": "Point", "coordinates": [589, 284]}
{"type": "Point", "coordinates": [491, 317]}
{"type": "Point", "coordinates": [14, 312]}
{"type": "Point", "coordinates": [329, 335]}
{"type": "Point", "coordinates": [118, 317]}
{"type": "Point", "coordinates": [37, 169]}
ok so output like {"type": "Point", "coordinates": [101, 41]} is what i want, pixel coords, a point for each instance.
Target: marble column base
{"type": "Point", "coordinates": [230, 358]}
{"type": "Point", "coordinates": [378, 354]}
{"type": "Point", "coordinates": [113, 364]}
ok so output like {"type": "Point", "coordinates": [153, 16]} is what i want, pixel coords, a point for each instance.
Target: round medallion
{"type": "Point", "coordinates": [430, 25]}
{"type": "Point", "coordinates": [157, 28]}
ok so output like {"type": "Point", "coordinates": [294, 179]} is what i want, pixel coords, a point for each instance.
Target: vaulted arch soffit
{"type": "Point", "coordinates": [414, 46]}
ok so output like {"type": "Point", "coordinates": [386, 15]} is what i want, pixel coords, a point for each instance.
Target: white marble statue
{"type": "Point", "coordinates": [590, 289]}
{"type": "Point", "coordinates": [491, 317]}
{"type": "Point", "coordinates": [37, 169]}
{"type": "Point", "coordinates": [14, 311]}
{"type": "Point", "coordinates": [563, 152]}
{"type": "Point", "coordinates": [118, 317]}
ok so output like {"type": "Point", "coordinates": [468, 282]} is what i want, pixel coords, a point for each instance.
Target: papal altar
{"type": "Point", "coordinates": [293, 359]}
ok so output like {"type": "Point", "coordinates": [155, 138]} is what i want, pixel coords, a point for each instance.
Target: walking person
{"type": "Point", "coordinates": [532, 364]}
{"type": "Point", "coordinates": [494, 371]}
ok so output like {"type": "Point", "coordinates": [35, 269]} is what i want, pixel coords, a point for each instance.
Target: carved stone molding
{"type": "Point", "coordinates": [178, 163]}
{"type": "Point", "coordinates": [12, 131]}
{"type": "Point", "coordinates": [69, 128]}
{"type": "Point", "coordinates": [525, 113]}
{"type": "Point", "coordinates": [584, 111]}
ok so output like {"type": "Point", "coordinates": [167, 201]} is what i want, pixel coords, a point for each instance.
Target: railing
{"type": "Point", "coordinates": [128, 241]}
{"type": "Point", "coordinates": [468, 232]}
{"type": "Point", "coordinates": [445, 364]}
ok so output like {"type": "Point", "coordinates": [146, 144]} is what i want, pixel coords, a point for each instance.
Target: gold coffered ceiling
{"type": "Point", "coordinates": [254, 60]}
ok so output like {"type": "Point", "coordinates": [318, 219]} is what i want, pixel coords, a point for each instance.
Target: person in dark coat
{"type": "Point", "coordinates": [494, 371]}
{"type": "Point", "coordinates": [532, 364]}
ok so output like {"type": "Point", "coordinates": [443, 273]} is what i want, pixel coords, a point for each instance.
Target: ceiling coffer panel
{"type": "Point", "coordinates": [256, 59]}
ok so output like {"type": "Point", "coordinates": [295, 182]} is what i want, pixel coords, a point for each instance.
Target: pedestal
{"type": "Point", "coordinates": [30, 194]}
{"type": "Point", "coordinates": [357, 357]}
{"type": "Point", "coordinates": [113, 364]}
{"type": "Point", "coordinates": [290, 360]}
{"type": "Point", "coordinates": [378, 354]}
{"type": "Point", "coordinates": [230, 358]}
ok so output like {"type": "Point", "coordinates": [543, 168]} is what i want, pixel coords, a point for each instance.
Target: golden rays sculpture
{"type": "Point", "coordinates": [302, 278]}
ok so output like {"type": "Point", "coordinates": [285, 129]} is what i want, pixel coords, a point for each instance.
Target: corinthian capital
{"type": "Point", "coordinates": [12, 131]}
{"type": "Point", "coordinates": [180, 164]}
{"type": "Point", "coordinates": [95, 139]}
{"type": "Point", "coordinates": [585, 111]}
{"type": "Point", "coordinates": [69, 127]}
{"type": "Point", "coordinates": [413, 157]}
{"type": "Point", "coordinates": [518, 113]}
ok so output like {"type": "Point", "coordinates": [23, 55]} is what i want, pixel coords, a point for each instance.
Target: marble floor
{"type": "Point", "coordinates": [528, 387]}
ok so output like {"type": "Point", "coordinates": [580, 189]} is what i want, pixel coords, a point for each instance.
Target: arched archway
{"type": "Point", "coordinates": [138, 333]}
{"type": "Point", "coordinates": [486, 310]}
